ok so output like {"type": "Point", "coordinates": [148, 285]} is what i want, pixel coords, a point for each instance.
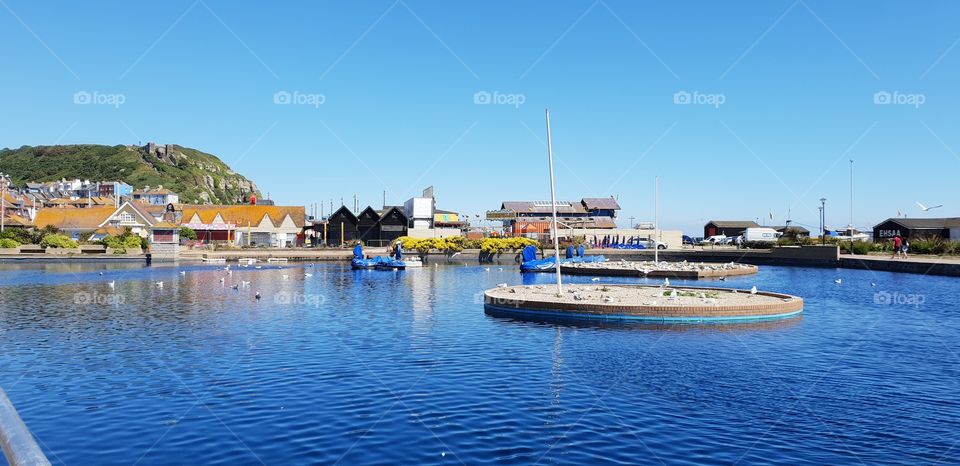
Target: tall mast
{"type": "Point", "coordinates": [553, 202]}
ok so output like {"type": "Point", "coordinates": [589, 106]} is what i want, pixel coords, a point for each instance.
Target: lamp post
{"type": "Point", "coordinates": [823, 220]}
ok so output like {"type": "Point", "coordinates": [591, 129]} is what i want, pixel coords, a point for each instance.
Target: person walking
{"type": "Point", "coordinates": [897, 246]}
{"type": "Point", "coordinates": [906, 247]}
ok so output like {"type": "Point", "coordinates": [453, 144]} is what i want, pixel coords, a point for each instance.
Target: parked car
{"type": "Point", "coordinates": [688, 240]}
{"type": "Point", "coordinates": [649, 244]}
{"type": "Point", "coordinates": [715, 239]}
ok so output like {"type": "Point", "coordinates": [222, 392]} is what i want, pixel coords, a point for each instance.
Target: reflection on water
{"type": "Point", "coordinates": [372, 367]}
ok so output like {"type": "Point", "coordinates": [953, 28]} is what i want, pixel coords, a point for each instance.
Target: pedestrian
{"type": "Point", "coordinates": [906, 247]}
{"type": "Point", "coordinates": [897, 246]}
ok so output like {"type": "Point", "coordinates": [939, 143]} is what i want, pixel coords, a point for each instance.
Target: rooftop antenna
{"type": "Point", "coordinates": [553, 202]}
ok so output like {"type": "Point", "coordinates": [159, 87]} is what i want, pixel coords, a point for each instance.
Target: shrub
{"type": "Point", "coordinates": [8, 243]}
{"type": "Point", "coordinates": [57, 240]}
{"type": "Point", "coordinates": [857, 247]}
{"type": "Point", "coordinates": [188, 233]}
{"type": "Point", "coordinates": [20, 235]}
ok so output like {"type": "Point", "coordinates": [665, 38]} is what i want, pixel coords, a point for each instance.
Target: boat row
{"type": "Point", "coordinates": [530, 263]}
{"type": "Point", "coordinates": [394, 262]}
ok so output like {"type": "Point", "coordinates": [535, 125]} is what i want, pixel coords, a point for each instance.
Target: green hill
{"type": "Point", "coordinates": [198, 177]}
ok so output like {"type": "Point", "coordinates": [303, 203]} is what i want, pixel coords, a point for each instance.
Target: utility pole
{"type": "Point", "coordinates": [851, 200]}
{"type": "Point", "coordinates": [656, 220]}
{"type": "Point", "coordinates": [631, 222]}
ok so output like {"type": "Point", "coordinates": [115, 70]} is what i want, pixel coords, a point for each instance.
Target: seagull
{"type": "Point", "coordinates": [501, 285]}
{"type": "Point", "coordinates": [455, 254]}
{"type": "Point", "coordinates": [182, 272]}
{"type": "Point", "coordinates": [257, 296]}
{"type": "Point", "coordinates": [873, 284]}
{"type": "Point", "coordinates": [838, 281]}
{"type": "Point", "coordinates": [486, 269]}
{"type": "Point", "coordinates": [753, 290]}
{"type": "Point", "coordinates": [222, 279]}
{"type": "Point", "coordinates": [235, 287]}
{"type": "Point", "coordinates": [500, 269]}
{"type": "Point", "coordinates": [284, 276]}
{"type": "Point", "coordinates": [229, 272]}
{"type": "Point", "coordinates": [308, 275]}
{"type": "Point", "coordinates": [243, 283]}
{"type": "Point", "coordinates": [112, 282]}
{"type": "Point", "coordinates": [673, 294]}
{"type": "Point", "coordinates": [666, 282]}
{"type": "Point", "coordinates": [925, 208]}
{"type": "Point", "coordinates": [608, 299]}
{"type": "Point", "coordinates": [595, 279]}
{"type": "Point", "coordinates": [101, 273]}
{"type": "Point", "coordinates": [258, 267]}
{"type": "Point", "coordinates": [160, 284]}
{"type": "Point", "coordinates": [723, 278]}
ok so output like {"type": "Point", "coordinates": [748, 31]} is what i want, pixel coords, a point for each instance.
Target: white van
{"type": "Point", "coordinates": [760, 234]}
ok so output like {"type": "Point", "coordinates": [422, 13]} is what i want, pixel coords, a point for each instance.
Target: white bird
{"type": "Point", "coordinates": [257, 296]}
{"type": "Point", "coordinates": [873, 284]}
{"type": "Point", "coordinates": [160, 284]}
{"type": "Point", "coordinates": [486, 269]}
{"type": "Point", "coordinates": [235, 287]}
{"type": "Point", "coordinates": [243, 283]}
{"type": "Point", "coordinates": [500, 269]}
{"type": "Point", "coordinates": [258, 267]}
{"type": "Point", "coordinates": [182, 272]}
{"type": "Point", "coordinates": [753, 290]}
{"type": "Point", "coordinates": [673, 294]}
{"type": "Point", "coordinates": [595, 279]}
{"type": "Point", "coordinates": [455, 254]}
{"type": "Point", "coordinates": [101, 273]}
{"type": "Point", "coordinates": [226, 268]}
{"type": "Point", "coordinates": [838, 281]}
{"type": "Point", "coordinates": [501, 285]}
{"type": "Point", "coordinates": [666, 282]}
{"type": "Point", "coordinates": [229, 272]}
{"type": "Point", "coordinates": [222, 279]}
{"type": "Point", "coordinates": [308, 275]}
{"type": "Point", "coordinates": [577, 296]}
{"type": "Point", "coordinates": [925, 208]}
{"type": "Point", "coordinates": [607, 299]}
{"type": "Point", "coordinates": [723, 278]}
{"type": "Point", "coordinates": [284, 276]}
{"type": "Point", "coordinates": [112, 282]}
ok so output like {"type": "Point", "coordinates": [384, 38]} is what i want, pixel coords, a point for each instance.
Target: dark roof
{"type": "Point", "coordinates": [343, 210]}
{"type": "Point", "coordinates": [592, 203]}
{"type": "Point", "coordinates": [792, 227]}
{"type": "Point", "coordinates": [733, 223]}
{"type": "Point", "coordinates": [932, 223]}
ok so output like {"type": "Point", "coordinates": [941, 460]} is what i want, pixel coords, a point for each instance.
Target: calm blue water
{"type": "Point", "coordinates": [405, 367]}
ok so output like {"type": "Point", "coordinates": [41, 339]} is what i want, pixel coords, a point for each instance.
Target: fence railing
{"type": "Point", "coordinates": [17, 443]}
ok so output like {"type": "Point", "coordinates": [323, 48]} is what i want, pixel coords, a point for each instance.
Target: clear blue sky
{"type": "Point", "coordinates": [797, 82]}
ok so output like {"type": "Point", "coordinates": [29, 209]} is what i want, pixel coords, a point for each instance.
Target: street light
{"type": "Point", "coordinates": [823, 220]}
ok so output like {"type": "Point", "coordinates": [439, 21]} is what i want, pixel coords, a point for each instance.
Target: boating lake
{"type": "Point", "coordinates": [377, 367]}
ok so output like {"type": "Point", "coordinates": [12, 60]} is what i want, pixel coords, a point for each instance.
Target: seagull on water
{"type": "Point", "coordinates": [838, 281]}
{"type": "Point", "coordinates": [308, 275]}
{"type": "Point", "coordinates": [486, 269]}
{"type": "Point", "coordinates": [595, 279]}
{"type": "Point", "coordinates": [501, 285]}
{"type": "Point", "coordinates": [927, 209]}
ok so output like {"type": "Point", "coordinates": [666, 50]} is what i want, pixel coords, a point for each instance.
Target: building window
{"type": "Point", "coordinates": [126, 217]}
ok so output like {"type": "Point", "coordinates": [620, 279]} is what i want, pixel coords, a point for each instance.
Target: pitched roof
{"type": "Point", "coordinates": [733, 223]}
{"type": "Point", "coordinates": [782, 228]}
{"type": "Point", "coordinates": [13, 219]}
{"type": "Point", "coordinates": [72, 218]}
{"type": "Point", "coordinates": [244, 214]}
{"type": "Point", "coordinates": [606, 203]}
{"type": "Point", "coordinates": [544, 207]}
{"type": "Point", "coordinates": [937, 223]}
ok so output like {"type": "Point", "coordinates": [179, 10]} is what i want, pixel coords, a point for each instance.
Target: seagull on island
{"type": "Point", "coordinates": [230, 272]}
{"type": "Point", "coordinates": [257, 296]}
{"type": "Point", "coordinates": [223, 279]}
{"type": "Point", "coordinates": [160, 284]}
{"type": "Point", "coordinates": [243, 283]}
{"type": "Point", "coordinates": [112, 282]}
{"type": "Point", "coordinates": [607, 299]}
{"type": "Point", "coordinates": [927, 209]}
{"type": "Point", "coordinates": [673, 294]}
{"type": "Point", "coordinates": [235, 287]}
{"type": "Point", "coordinates": [753, 290]}
{"type": "Point", "coordinates": [284, 276]}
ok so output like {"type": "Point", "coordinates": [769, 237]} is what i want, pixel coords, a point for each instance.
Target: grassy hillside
{"type": "Point", "coordinates": [198, 177]}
